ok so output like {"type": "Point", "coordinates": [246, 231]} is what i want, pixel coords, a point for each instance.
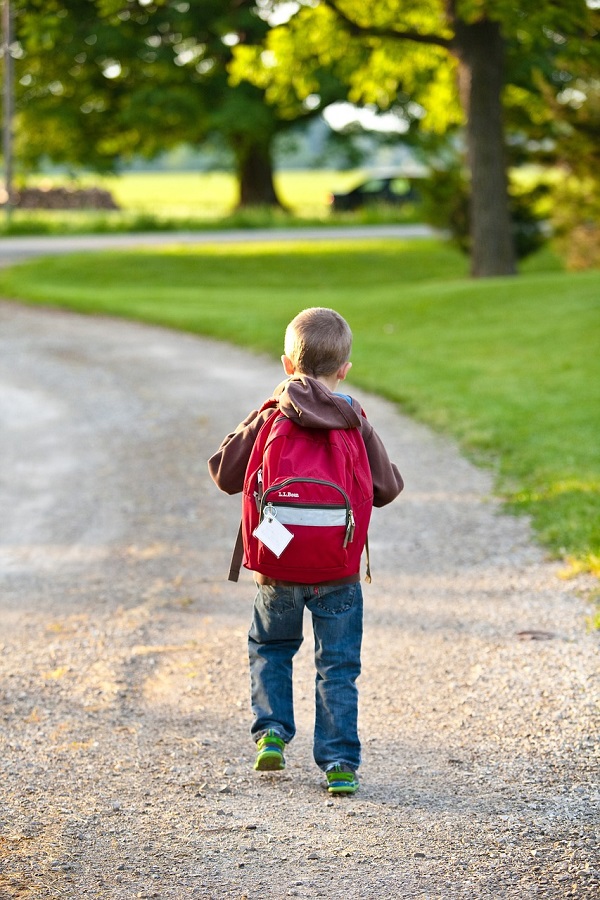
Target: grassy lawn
{"type": "Point", "coordinates": [510, 367]}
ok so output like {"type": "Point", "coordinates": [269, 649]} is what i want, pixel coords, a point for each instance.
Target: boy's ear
{"type": "Point", "coordinates": [288, 365]}
{"type": "Point", "coordinates": [343, 371]}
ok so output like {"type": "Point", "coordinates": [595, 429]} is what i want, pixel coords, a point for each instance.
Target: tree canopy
{"type": "Point", "coordinates": [500, 67]}
{"type": "Point", "coordinates": [102, 81]}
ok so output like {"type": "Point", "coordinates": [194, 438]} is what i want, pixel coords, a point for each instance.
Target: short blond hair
{"type": "Point", "coordinates": [318, 341]}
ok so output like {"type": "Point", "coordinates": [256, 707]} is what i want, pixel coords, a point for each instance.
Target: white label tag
{"type": "Point", "coordinates": [273, 535]}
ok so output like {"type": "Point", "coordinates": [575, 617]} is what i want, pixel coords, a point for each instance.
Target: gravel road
{"type": "Point", "coordinates": [125, 753]}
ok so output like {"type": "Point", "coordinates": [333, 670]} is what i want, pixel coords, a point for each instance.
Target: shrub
{"type": "Point", "coordinates": [576, 218]}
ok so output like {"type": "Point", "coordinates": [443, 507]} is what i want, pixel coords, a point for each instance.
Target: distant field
{"type": "Point", "coordinates": [167, 201]}
{"type": "Point", "coordinates": [214, 194]}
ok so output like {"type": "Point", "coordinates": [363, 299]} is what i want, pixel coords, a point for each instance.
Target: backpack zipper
{"type": "Point", "coordinates": [262, 501]}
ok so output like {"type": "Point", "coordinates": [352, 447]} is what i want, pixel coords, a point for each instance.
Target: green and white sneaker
{"type": "Point", "coordinates": [341, 779]}
{"type": "Point", "coordinates": [270, 753]}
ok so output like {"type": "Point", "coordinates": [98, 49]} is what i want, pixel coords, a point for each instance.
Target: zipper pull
{"type": "Point", "coordinates": [349, 528]}
{"type": "Point", "coordinates": [259, 491]}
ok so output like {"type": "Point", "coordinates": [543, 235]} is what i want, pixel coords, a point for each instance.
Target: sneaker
{"type": "Point", "coordinates": [270, 753]}
{"type": "Point", "coordinates": [341, 779]}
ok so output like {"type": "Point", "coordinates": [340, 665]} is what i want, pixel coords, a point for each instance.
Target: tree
{"type": "Point", "coordinates": [106, 80]}
{"type": "Point", "coordinates": [414, 51]}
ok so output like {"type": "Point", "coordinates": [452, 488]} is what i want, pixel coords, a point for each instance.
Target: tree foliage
{"type": "Point", "coordinates": [496, 66]}
{"type": "Point", "coordinates": [100, 81]}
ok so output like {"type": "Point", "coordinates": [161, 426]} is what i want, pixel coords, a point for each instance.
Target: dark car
{"type": "Point", "coordinates": [390, 190]}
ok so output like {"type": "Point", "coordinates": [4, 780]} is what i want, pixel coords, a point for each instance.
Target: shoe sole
{"type": "Point", "coordinates": [269, 762]}
{"type": "Point", "coordinates": [342, 789]}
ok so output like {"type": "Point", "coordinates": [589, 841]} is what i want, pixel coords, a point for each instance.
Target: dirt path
{"type": "Point", "coordinates": [125, 757]}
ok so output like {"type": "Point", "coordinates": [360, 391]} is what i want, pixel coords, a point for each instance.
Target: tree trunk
{"type": "Point", "coordinates": [254, 169]}
{"type": "Point", "coordinates": [480, 51]}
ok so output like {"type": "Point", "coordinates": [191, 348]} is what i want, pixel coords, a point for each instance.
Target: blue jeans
{"type": "Point", "coordinates": [275, 637]}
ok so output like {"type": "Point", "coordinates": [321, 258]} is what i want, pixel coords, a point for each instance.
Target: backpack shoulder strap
{"type": "Point", "coordinates": [238, 551]}
{"type": "Point", "coordinates": [236, 557]}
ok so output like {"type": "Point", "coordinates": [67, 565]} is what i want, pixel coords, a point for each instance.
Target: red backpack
{"type": "Point", "coordinates": [309, 491]}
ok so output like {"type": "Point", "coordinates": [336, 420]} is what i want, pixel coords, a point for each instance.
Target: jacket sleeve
{"type": "Point", "coordinates": [227, 467]}
{"type": "Point", "coordinates": [387, 480]}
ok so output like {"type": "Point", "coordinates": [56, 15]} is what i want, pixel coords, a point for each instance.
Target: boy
{"type": "Point", "coordinates": [317, 350]}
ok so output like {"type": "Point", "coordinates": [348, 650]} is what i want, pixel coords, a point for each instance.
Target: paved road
{"type": "Point", "coordinates": [14, 249]}
{"type": "Point", "coordinates": [125, 757]}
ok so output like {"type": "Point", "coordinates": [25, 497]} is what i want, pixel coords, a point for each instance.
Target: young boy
{"type": "Point", "coordinates": [316, 360]}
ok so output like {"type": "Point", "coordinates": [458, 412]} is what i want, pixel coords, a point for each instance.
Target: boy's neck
{"type": "Point", "coordinates": [330, 382]}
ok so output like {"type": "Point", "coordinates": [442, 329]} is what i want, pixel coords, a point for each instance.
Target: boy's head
{"type": "Point", "coordinates": [318, 343]}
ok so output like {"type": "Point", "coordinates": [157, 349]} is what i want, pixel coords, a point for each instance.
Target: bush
{"type": "Point", "coordinates": [576, 214]}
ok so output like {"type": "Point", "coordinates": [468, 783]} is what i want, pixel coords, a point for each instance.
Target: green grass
{"type": "Point", "coordinates": [510, 367]}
